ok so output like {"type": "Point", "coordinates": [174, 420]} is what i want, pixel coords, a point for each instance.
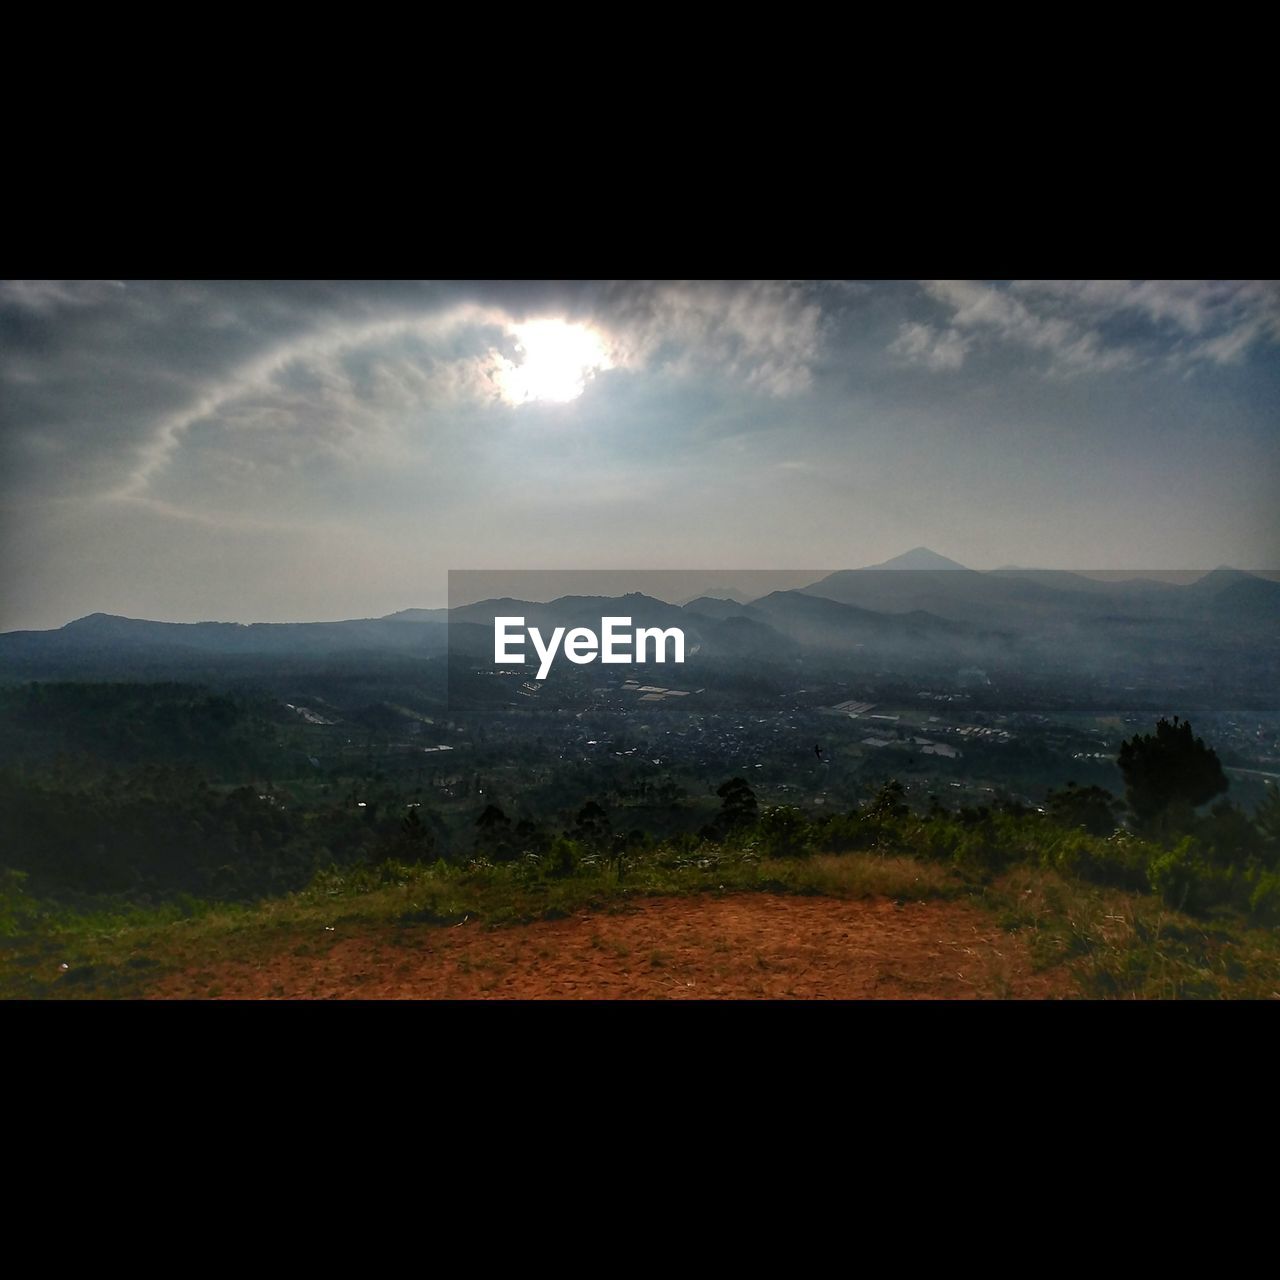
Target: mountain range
{"type": "Point", "coordinates": [919, 604]}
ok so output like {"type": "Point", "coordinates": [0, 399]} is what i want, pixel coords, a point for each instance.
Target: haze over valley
{"type": "Point", "coordinates": [309, 590]}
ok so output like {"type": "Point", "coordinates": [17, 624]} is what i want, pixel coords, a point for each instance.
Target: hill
{"type": "Point", "coordinates": [917, 608]}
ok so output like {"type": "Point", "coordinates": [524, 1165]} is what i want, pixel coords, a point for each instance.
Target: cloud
{"type": "Point", "coordinates": [1230, 347]}
{"type": "Point", "coordinates": [214, 393]}
{"type": "Point", "coordinates": [768, 334]}
{"type": "Point", "coordinates": [328, 395]}
{"type": "Point", "coordinates": [1097, 326]}
{"type": "Point", "coordinates": [1072, 346]}
{"type": "Point", "coordinates": [935, 349]}
{"type": "Point", "coordinates": [46, 296]}
{"type": "Point", "coordinates": [91, 374]}
{"type": "Point", "coordinates": [150, 428]}
{"type": "Point", "coordinates": [1217, 321]}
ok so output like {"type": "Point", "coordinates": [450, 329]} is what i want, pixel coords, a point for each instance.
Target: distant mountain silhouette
{"type": "Point", "coordinates": [1054, 612]}
{"type": "Point", "coordinates": [711, 607]}
{"type": "Point", "coordinates": [1235, 596]}
{"type": "Point", "coordinates": [719, 591]}
{"type": "Point", "coordinates": [575, 611]}
{"type": "Point", "coordinates": [236, 637]}
{"type": "Point", "coordinates": [105, 646]}
{"type": "Point", "coordinates": [918, 558]}
{"type": "Point", "coordinates": [919, 606]}
{"type": "Point", "coordinates": [830, 624]}
{"type": "Point", "coordinates": [1219, 579]}
{"type": "Point", "coordinates": [418, 615]}
{"type": "Point", "coordinates": [1067, 580]}
{"type": "Point", "coordinates": [730, 629]}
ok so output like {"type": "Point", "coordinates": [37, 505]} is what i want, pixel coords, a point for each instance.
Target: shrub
{"type": "Point", "coordinates": [938, 836]}
{"type": "Point", "coordinates": [1186, 881]}
{"type": "Point", "coordinates": [888, 802]}
{"type": "Point", "coordinates": [1264, 899]}
{"type": "Point", "coordinates": [785, 832]}
{"type": "Point", "coordinates": [1121, 861]}
{"type": "Point", "coordinates": [563, 857]}
{"type": "Point", "coordinates": [16, 908]}
{"type": "Point", "coordinates": [1091, 808]}
{"type": "Point", "coordinates": [841, 833]}
{"type": "Point", "coordinates": [1228, 837]}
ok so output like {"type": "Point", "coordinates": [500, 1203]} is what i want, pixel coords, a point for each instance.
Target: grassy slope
{"type": "Point", "coordinates": [1116, 943]}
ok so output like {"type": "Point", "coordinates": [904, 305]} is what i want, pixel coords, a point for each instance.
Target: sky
{"type": "Point", "coordinates": [293, 451]}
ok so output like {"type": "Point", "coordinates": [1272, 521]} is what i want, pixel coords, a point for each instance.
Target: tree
{"type": "Point", "coordinates": [412, 842]}
{"type": "Point", "coordinates": [592, 827]}
{"type": "Point", "coordinates": [1169, 771]}
{"type": "Point", "coordinates": [492, 830]}
{"type": "Point", "coordinates": [737, 805]}
{"type": "Point", "coordinates": [1092, 808]}
{"type": "Point", "coordinates": [888, 802]}
{"type": "Point", "coordinates": [492, 820]}
{"type": "Point", "coordinates": [529, 837]}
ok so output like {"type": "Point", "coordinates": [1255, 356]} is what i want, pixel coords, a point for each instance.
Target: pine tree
{"type": "Point", "coordinates": [1169, 770]}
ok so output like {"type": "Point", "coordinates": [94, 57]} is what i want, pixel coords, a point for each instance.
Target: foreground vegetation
{"type": "Point", "coordinates": [1115, 941]}
{"type": "Point", "coordinates": [110, 877]}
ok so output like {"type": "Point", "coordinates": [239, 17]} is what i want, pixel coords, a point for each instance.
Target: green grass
{"type": "Point", "coordinates": [1126, 945]}
{"type": "Point", "coordinates": [1118, 944]}
{"type": "Point", "coordinates": [120, 951]}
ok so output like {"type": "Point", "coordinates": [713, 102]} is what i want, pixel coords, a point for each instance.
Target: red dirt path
{"type": "Point", "coordinates": [738, 946]}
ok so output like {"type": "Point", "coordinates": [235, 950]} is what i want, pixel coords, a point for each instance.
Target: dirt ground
{"type": "Point", "coordinates": [745, 946]}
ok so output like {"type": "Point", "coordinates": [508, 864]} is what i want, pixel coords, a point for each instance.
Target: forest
{"type": "Point", "coordinates": [163, 792]}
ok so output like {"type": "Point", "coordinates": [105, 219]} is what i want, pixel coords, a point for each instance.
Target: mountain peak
{"type": "Point", "coordinates": [918, 558]}
{"type": "Point", "coordinates": [1216, 579]}
{"type": "Point", "coordinates": [417, 615]}
{"type": "Point", "coordinates": [95, 620]}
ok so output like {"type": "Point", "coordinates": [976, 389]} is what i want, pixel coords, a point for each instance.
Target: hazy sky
{"type": "Point", "coordinates": [290, 451]}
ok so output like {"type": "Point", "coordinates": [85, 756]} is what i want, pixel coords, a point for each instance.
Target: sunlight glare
{"type": "Point", "coordinates": [556, 360]}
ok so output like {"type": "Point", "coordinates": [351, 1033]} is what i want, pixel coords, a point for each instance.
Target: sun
{"type": "Point", "coordinates": [556, 361]}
